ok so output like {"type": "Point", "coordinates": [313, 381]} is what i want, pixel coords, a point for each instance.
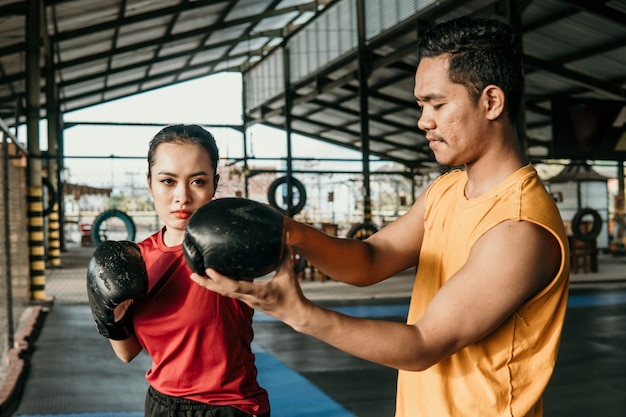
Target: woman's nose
{"type": "Point", "coordinates": [182, 193]}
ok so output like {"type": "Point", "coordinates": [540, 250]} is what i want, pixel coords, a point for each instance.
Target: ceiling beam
{"type": "Point", "coordinates": [600, 8]}
{"type": "Point", "coordinates": [603, 87]}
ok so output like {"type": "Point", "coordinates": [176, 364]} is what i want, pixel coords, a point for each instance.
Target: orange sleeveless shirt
{"type": "Point", "coordinates": [505, 373]}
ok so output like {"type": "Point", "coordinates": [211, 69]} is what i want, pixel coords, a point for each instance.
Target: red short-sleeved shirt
{"type": "Point", "coordinates": [199, 341]}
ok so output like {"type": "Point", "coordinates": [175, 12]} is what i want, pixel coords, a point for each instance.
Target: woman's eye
{"type": "Point", "coordinates": [198, 181]}
{"type": "Point", "coordinates": [167, 181]}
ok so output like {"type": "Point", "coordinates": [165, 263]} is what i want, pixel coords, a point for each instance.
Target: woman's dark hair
{"type": "Point", "coordinates": [193, 134]}
{"type": "Point", "coordinates": [482, 52]}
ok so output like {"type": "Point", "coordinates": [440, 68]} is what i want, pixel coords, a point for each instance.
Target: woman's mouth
{"type": "Point", "coordinates": [182, 214]}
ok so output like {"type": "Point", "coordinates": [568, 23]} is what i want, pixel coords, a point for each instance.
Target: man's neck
{"type": "Point", "coordinates": [490, 171]}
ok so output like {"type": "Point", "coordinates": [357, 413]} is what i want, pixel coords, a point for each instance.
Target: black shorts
{"type": "Point", "coordinates": [161, 405]}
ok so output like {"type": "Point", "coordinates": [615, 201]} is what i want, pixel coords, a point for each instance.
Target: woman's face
{"type": "Point", "coordinates": [182, 179]}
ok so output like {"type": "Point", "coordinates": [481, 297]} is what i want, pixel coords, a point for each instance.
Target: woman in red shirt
{"type": "Point", "coordinates": [199, 341]}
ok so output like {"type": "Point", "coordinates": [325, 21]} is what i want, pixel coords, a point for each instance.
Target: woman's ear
{"type": "Point", "coordinates": [494, 100]}
{"type": "Point", "coordinates": [216, 180]}
{"type": "Point", "coordinates": [149, 183]}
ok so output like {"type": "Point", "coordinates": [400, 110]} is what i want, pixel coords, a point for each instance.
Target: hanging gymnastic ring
{"type": "Point", "coordinates": [52, 195]}
{"type": "Point", "coordinates": [107, 214]}
{"type": "Point", "coordinates": [271, 194]}
{"type": "Point", "coordinates": [592, 234]}
{"type": "Point", "coordinates": [361, 231]}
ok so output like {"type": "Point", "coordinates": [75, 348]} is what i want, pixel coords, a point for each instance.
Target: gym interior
{"type": "Point", "coordinates": [338, 72]}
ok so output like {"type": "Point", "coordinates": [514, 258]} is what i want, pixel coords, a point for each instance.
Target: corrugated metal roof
{"type": "Point", "coordinates": [104, 50]}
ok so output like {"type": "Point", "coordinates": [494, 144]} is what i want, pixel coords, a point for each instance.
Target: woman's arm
{"type": "Point", "coordinates": [126, 350]}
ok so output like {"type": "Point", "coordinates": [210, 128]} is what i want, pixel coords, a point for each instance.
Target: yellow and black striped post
{"type": "Point", "coordinates": [35, 223]}
{"type": "Point", "coordinates": [54, 237]}
{"type": "Point", "coordinates": [36, 244]}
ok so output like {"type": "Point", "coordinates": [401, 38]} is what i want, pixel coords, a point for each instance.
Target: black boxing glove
{"type": "Point", "coordinates": [116, 273]}
{"type": "Point", "coordinates": [239, 238]}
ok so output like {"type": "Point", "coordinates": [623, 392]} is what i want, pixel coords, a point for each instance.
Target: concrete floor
{"type": "Point", "coordinates": [74, 371]}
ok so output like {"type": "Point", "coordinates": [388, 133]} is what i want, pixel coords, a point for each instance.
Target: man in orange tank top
{"type": "Point", "coordinates": [490, 293]}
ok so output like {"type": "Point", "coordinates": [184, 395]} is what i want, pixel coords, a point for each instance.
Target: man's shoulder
{"type": "Point", "coordinates": [451, 176]}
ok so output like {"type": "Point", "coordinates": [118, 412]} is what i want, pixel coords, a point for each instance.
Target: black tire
{"type": "Point", "coordinates": [592, 234]}
{"type": "Point", "coordinates": [271, 195]}
{"type": "Point", "coordinates": [52, 195]}
{"type": "Point", "coordinates": [361, 231]}
{"type": "Point", "coordinates": [96, 238]}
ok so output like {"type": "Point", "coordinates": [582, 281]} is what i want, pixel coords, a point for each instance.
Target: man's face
{"type": "Point", "coordinates": [453, 123]}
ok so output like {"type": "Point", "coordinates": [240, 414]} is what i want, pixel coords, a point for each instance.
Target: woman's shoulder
{"type": "Point", "coordinates": [152, 242]}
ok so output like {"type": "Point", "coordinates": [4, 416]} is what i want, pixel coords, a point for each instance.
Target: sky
{"type": "Point", "coordinates": [212, 100]}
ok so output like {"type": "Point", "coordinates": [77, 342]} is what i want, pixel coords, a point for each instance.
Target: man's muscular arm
{"type": "Point", "coordinates": [473, 303]}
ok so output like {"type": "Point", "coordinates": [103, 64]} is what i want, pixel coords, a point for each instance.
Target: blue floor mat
{"type": "Point", "coordinates": [290, 393]}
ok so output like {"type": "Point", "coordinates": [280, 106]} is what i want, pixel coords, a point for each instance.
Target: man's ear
{"type": "Point", "coordinates": [494, 100]}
